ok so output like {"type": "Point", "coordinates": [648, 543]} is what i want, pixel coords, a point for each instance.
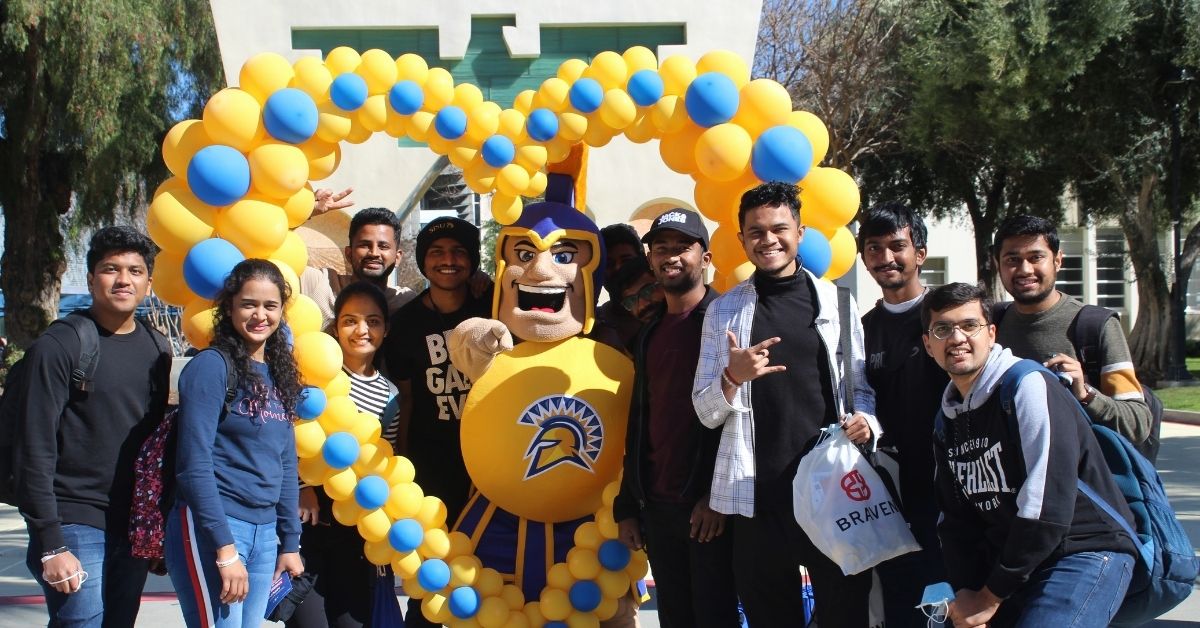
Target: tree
{"type": "Point", "coordinates": [980, 83]}
{"type": "Point", "coordinates": [88, 89]}
{"type": "Point", "coordinates": [836, 58]}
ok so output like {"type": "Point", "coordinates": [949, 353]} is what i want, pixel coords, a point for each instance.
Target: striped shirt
{"type": "Point", "coordinates": [374, 395]}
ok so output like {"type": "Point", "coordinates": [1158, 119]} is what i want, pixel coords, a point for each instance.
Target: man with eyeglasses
{"type": "Point", "coordinates": [1022, 544]}
{"type": "Point", "coordinates": [669, 455]}
{"type": "Point", "coordinates": [908, 388]}
{"type": "Point", "coordinates": [637, 294]}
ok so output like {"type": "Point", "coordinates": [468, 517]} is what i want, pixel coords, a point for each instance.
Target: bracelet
{"type": "Point", "coordinates": [729, 378]}
{"type": "Point", "coordinates": [47, 556]}
{"type": "Point", "coordinates": [221, 564]}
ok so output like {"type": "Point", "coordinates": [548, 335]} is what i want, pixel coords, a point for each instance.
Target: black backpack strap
{"type": "Point", "coordinates": [89, 349]}
{"type": "Point", "coordinates": [1087, 336]}
{"type": "Point", "coordinates": [998, 310]}
{"type": "Point", "coordinates": [848, 383]}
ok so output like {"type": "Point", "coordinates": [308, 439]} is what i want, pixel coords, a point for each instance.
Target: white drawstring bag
{"type": "Point", "coordinates": [843, 506]}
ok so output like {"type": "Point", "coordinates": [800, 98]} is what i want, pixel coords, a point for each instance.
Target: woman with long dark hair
{"type": "Point", "coordinates": [234, 527]}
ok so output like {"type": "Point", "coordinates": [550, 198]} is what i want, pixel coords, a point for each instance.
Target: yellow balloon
{"type": "Point", "coordinates": [723, 152]}
{"type": "Point", "coordinates": [571, 69]}
{"type": "Point", "coordinates": [467, 96]}
{"type": "Point", "coordinates": [197, 322]}
{"type": "Point", "coordinates": [829, 198]}
{"type": "Point", "coordinates": [532, 156]}
{"type": "Point", "coordinates": [340, 487]}
{"type": "Point", "coordinates": [432, 513]}
{"type": "Point", "coordinates": [435, 545]}
{"type": "Point", "coordinates": [553, 94]}
{"type": "Point", "coordinates": [339, 416]}
{"type": "Point", "coordinates": [289, 276]}
{"type": "Point", "coordinates": [318, 356]}
{"type": "Point", "coordinates": [168, 280]}
{"type": "Point", "coordinates": [436, 608]}
{"type": "Point", "coordinates": [609, 69]}
{"type": "Point", "coordinates": [844, 253]}
{"type": "Point", "coordinates": [302, 314]}
{"type": "Point", "coordinates": [533, 612]}
{"type": "Point", "coordinates": [669, 115]}
{"type": "Point", "coordinates": [373, 115]}
{"type": "Point", "coordinates": [493, 612]}
{"type": "Point", "coordinates": [366, 428]}
{"type": "Point", "coordinates": [342, 59]}
{"type": "Point", "coordinates": [718, 200]}
{"type": "Point", "coordinates": [512, 180]}
{"type": "Point", "coordinates": [378, 69]}
{"type": "Point", "coordinates": [642, 130]}
{"type": "Point", "coordinates": [256, 228]}
{"type": "Point", "coordinates": [512, 125]}
{"type": "Point", "coordinates": [557, 149]}
{"type": "Point", "coordinates": [313, 78]}
{"type": "Point", "coordinates": [483, 120]}
{"type": "Point", "coordinates": [313, 470]}
{"type": "Point", "coordinates": [411, 67]}
{"type": "Point", "coordinates": [374, 459]}
{"type": "Point", "coordinates": [638, 564]}
{"type": "Point", "coordinates": [413, 588]}
{"type": "Point", "coordinates": [419, 125]}
{"type": "Point", "coordinates": [373, 526]}
{"type": "Point", "coordinates": [606, 523]}
{"type": "Point", "coordinates": [639, 58]}
{"type": "Point", "coordinates": [479, 176]}
{"type": "Point", "coordinates": [606, 609]}
{"type": "Point", "coordinates": [617, 110]}
{"type": "Point", "coordinates": [742, 273]}
{"type": "Point", "coordinates": [397, 124]}
{"type": "Point", "coordinates": [610, 493]}
{"type": "Point", "coordinates": [323, 158]}
{"type": "Point", "coordinates": [572, 126]}
{"type": "Point", "coordinates": [812, 128]}
{"type": "Point", "coordinates": [177, 220]}
{"type": "Point", "coordinates": [613, 584]}
{"type": "Point", "coordinates": [556, 606]}
{"type": "Point", "coordinates": [506, 209]}
{"type": "Point", "coordinates": [264, 74]}
{"type": "Point", "coordinates": [309, 438]}
{"type": "Point", "coordinates": [513, 597]}
{"type": "Point", "coordinates": [677, 72]}
{"type": "Point", "coordinates": [583, 563]}
{"type": "Point", "coordinates": [345, 511]}
{"type": "Point", "coordinates": [181, 143]}
{"type": "Point", "coordinates": [559, 577]}
{"type": "Point", "coordinates": [678, 150]}
{"type": "Point", "coordinates": [762, 104]}
{"type": "Point", "coordinates": [339, 386]}
{"type": "Point", "coordinates": [727, 251]}
{"type": "Point", "coordinates": [358, 133]}
{"type": "Point", "coordinates": [278, 170]}
{"type": "Point", "coordinates": [464, 571]}
{"type": "Point", "coordinates": [292, 252]}
{"type": "Point", "coordinates": [438, 88]}
{"type": "Point", "coordinates": [524, 101]}
{"type": "Point", "coordinates": [728, 63]}
{"type": "Point", "coordinates": [588, 536]}
{"type": "Point", "coordinates": [490, 583]}
{"type": "Point", "coordinates": [439, 144]}
{"type": "Point", "coordinates": [333, 124]}
{"type": "Point", "coordinates": [460, 545]}
{"type": "Point", "coordinates": [379, 553]}
{"type": "Point", "coordinates": [406, 567]}
{"type": "Point", "coordinates": [298, 207]}
{"type": "Point", "coordinates": [537, 184]}
{"type": "Point", "coordinates": [598, 134]}
{"type": "Point", "coordinates": [404, 501]}
{"type": "Point", "coordinates": [578, 619]}
{"type": "Point", "coordinates": [234, 118]}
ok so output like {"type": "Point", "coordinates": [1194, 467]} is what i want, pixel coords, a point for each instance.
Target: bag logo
{"type": "Point", "coordinates": [856, 487]}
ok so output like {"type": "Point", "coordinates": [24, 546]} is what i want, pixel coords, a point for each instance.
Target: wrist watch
{"type": "Point", "coordinates": [1089, 394]}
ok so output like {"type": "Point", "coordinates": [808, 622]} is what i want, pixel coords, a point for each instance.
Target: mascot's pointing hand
{"type": "Point", "coordinates": [475, 342]}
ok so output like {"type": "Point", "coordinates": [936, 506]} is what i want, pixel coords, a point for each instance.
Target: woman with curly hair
{"type": "Point", "coordinates": [234, 527]}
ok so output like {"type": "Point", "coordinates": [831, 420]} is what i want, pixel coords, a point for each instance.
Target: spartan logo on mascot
{"type": "Point", "coordinates": [543, 427]}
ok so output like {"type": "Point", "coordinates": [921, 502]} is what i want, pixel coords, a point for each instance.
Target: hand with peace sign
{"type": "Point", "coordinates": [752, 363]}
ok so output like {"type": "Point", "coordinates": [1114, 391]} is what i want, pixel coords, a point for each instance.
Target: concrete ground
{"type": "Point", "coordinates": [21, 604]}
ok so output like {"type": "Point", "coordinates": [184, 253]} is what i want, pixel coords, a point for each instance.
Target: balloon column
{"type": "Point", "coordinates": [241, 185]}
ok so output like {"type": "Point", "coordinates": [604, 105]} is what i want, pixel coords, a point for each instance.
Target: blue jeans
{"type": "Point", "coordinates": [192, 564]}
{"type": "Point", "coordinates": [112, 592]}
{"type": "Point", "coordinates": [1079, 590]}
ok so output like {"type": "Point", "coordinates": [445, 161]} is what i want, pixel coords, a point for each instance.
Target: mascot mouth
{"type": "Point", "coordinates": [540, 298]}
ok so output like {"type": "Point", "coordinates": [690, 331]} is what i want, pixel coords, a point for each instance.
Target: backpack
{"type": "Point", "coordinates": [1086, 334]}
{"type": "Point", "coordinates": [1166, 566]}
{"type": "Point", "coordinates": [154, 477]}
{"type": "Point", "coordinates": [82, 376]}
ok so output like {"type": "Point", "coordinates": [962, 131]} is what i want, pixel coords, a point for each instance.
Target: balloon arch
{"type": "Point", "coordinates": [241, 185]}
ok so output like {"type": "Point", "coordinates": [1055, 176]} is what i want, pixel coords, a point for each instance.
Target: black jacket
{"type": "Point", "coordinates": [704, 441]}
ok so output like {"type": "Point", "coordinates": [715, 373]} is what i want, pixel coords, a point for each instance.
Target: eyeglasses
{"type": "Point", "coordinates": [631, 301]}
{"type": "Point", "coordinates": [944, 329]}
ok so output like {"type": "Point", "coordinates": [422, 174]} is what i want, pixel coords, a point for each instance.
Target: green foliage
{"type": "Point", "coordinates": [491, 230]}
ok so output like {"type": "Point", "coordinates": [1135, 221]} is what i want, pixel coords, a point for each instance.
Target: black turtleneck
{"type": "Point", "coordinates": [789, 407]}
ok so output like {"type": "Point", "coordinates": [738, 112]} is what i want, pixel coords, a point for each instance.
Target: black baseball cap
{"type": "Point", "coordinates": [685, 221]}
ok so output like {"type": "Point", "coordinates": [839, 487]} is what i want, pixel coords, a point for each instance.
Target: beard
{"type": "Point", "coordinates": [1035, 298]}
{"type": "Point", "coordinates": [383, 273]}
{"type": "Point", "coordinates": [682, 284]}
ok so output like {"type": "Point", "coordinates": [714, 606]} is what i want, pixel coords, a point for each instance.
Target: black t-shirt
{"type": "Point", "coordinates": [672, 352]}
{"type": "Point", "coordinates": [416, 350]}
{"type": "Point", "coordinates": [789, 407]}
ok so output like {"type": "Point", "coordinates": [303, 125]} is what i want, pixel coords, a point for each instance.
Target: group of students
{"type": "Point", "coordinates": [708, 464]}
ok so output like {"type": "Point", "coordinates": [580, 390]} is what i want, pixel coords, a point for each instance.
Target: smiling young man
{"type": "Point", "coordinates": [769, 378]}
{"type": "Point", "coordinates": [1041, 321]}
{"type": "Point", "coordinates": [1022, 544]}
{"type": "Point", "coordinates": [908, 388]}
{"type": "Point", "coordinates": [74, 449]}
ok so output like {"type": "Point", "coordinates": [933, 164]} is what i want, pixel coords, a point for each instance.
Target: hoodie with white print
{"type": "Point", "coordinates": [1007, 484]}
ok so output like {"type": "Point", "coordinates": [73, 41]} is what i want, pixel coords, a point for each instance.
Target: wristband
{"type": "Point", "coordinates": [725, 375]}
{"type": "Point", "coordinates": [46, 556]}
{"type": "Point", "coordinates": [221, 564]}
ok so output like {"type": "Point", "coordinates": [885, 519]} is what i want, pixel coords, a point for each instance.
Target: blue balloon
{"type": "Point", "coordinates": [711, 99]}
{"type": "Point", "coordinates": [406, 97]}
{"type": "Point", "coordinates": [586, 95]}
{"type": "Point", "coordinates": [556, 624]}
{"type": "Point", "coordinates": [348, 91]}
{"type": "Point", "coordinates": [340, 450]}
{"type": "Point", "coordinates": [498, 151]}
{"type": "Point", "coordinates": [542, 125]}
{"type": "Point", "coordinates": [451, 122]}
{"type": "Point", "coordinates": [290, 115]}
{"type": "Point", "coordinates": [613, 555]}
{"type": "Point", "coordinates": [219, 175]}
{"type": "Point", "coordinates": [288, 336]}
{"type": "Point", "coordinates": [433, 574]}
{"type": "Point", "coordinates": [464, 602]}
{"type": "Point", "coordinates": [645, 87]}
{"type": "Point", "coordinates": [781, 153]}
{"type": "Point", "coordinates": [406, 535]}
{"type": "Point", "coordinates": [815, 252]}
{"type": "Point", "coordinates": [371, 492]}
{"type": "Point", "coordinates": [585, 596]}
{"type": "Point", "coordinates": [311, 403]}
{"type": "Point", "coordinates": [208, 263]}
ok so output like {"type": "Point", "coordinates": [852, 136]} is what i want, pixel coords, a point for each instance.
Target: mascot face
{"type": "Point", "coordinates": [546, 275]}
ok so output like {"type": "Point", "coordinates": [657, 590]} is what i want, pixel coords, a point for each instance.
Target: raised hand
{"type": "Point", "coordinates": [751, 363]}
